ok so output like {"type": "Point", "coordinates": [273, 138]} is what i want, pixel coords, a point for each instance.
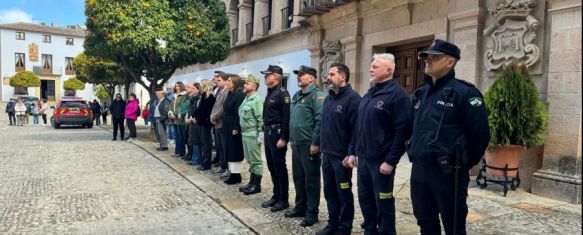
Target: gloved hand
{"type": "Point", "coordinates": [260, 137]}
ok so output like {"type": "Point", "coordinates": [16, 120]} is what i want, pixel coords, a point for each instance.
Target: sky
{"type": "Point", "coordinates": [61, 12]}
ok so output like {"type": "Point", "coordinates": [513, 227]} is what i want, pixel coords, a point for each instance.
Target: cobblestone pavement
{"type": "Point", "coordinates": [78, 181]}
{"type": "Point", "coordinates": [490, 212]}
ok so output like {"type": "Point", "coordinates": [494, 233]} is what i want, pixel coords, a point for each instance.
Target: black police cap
{"type": "Point", "coordinates": [439, 47]}
{"type": "Point", "coordinates": [273, 69]}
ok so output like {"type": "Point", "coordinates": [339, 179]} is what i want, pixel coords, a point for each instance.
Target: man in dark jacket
{"type": "Point", "coordinates": [11, 112]}
{"type": "Point", "coordinates": [450, 131]}
{"type": "Point", "coordinates": [383, 125]}
{"type": "Point", "coordinates": [117, 109]}
{"type": "Point", "coordinates": [96, 110]}
{"type": "Point", "coordinates": [305, 116]}
{"type": "Point", "coordinates": [337, 144]}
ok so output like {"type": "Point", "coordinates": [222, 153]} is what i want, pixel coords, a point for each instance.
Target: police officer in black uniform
{"type": "Point", "coordinates": [450, 135]}
{"type": "Point", "coordinates": [276, 113]}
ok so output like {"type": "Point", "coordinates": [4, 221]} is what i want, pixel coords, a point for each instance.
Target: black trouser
{"type": "Point", "coordinates": [207, 144]}
{"type": "Point", "coordinates": [96, 118]}
{"type": "Point", "coordinates": [118, 124]}
{"type": "Point", "coordinates": [104, 115]}
{"type": "Point", "coordinates": [44, 116]}
{"type": "Point", "coordinates": [432, 194]}
{"type": "Point", "coordinates": [375, 195]}
{"type": "Point", "coordinates": [12, 118]}
{"type": "Point", "coordinates": [220, 144]}
{"type": "Point", "coordinates": [306, 174]}
{"type": "Point", "coordinates": [276, 165]}
{"type": "Point", "coordinates": [132, 126]}
{"type": "Point", "coordinates": [338, 192]}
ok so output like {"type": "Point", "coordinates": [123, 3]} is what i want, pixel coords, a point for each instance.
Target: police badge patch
{"type": "Point", "coordinates": [286, 99]}
{"type": "Point", "coordinates": [475, 101]}
{"type": "Point", "coordinates": [417, 104]}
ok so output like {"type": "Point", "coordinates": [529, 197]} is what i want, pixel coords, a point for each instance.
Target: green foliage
{"type": "Point", "coordinates": [73, 83]}
{"type": "Point", "coordinates": [101, 92]}
{"type": "Point", "coordinates": [25, 79]}
{"type": "Point", "coordinates": [517, 116]}
{"type": "Point", "coordinates": [152, 38]}
{"type": "Point", "coordinates": [90, 69]}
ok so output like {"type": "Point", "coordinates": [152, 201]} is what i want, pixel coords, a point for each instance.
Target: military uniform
{"type": "Point", "coordinates": [251, 121]}
{"type": "Point", "coordinates": [306, 111]}
{"type": "Point", "coordinates": [450, 122]}
{"type": "Point", "coordinates": [276, 127]}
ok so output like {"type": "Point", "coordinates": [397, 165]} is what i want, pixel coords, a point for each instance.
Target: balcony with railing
{"type": "Point", "coordinates": [39, 70]}
{"type": "Point", "coordinates": [234, 36]}
{"type": "Point", "coordinates": [266, 24]}
{"type": "Point", "coordinates": [248, 31]}
{"type": "Point", "coordinates": [318, 7]}
{"type": "Point", "coordinates": [286, 18]}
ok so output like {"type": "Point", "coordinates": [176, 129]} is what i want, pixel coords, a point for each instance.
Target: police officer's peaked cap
{"type": "Point", "coordinates": [273, 69]}
{"type": "Point", "coordinates": [251, 78]}
{"type": "Point", "coordinates": [439, 47]}
{"type": "Point", "coordinates": [306, 69]}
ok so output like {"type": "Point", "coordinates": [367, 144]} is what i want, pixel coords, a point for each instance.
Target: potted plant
{"type": "Point", "coordinates": [71, 85]}
{"type": "Point", "coordinates": [22, 80]}
{"type": "Point", "coordinates": [517, 118]}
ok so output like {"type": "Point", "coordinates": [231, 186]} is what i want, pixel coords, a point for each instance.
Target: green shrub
{"type": "Point", "coordinates": [101, 92]}
{"type": "Point", "coordinates": [517, 116]}
{"type": "Point", "coordinates": [25, 79]}
{"type": "Point", "coordinates": [73, 84]}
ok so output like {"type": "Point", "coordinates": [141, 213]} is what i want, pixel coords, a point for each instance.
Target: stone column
{"type": "Point", "coordinates": [276, 15]}
{"type": "Point", "coordinates": [560, 176]}
{"type": "Point", "coordinates": [352, 58]}
{"type": "Point", "coordinates": [244, 18]}
{"type": "Point", "coordinates": [261, 10]}
{"type": "Point", "coordinates": [233, 21]}
{"type": "Point", "coordinates": [296, 18]}
{"type": "Point", "coordinates": [465, 31]}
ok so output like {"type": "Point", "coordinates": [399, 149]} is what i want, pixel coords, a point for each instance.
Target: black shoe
{"type": "Point", "coordinates": [162, 149]}
{"type": "Point", "coordinates": [255, 187]}
{"type": "Point", "coordinates": [309, 221]}
{"type": "Point", "coordinates": [114, 139]}
{"type": "Point", "coordinates": [234, 178]}
{"type": "Point", "coordinates": [203, 168]}
{"type": "Point", "coordinates": [279, 206]}
{"type": "Point", "coordinates": [343, 231]}
{"type": "Point", "coordinates": [328, 230]}
{"type": "Point", "coordinates": [294, 213]}
{"type": "Point", "coordinates": [251, 181]}
{"type": "Point", "coordinates": [271, 202]}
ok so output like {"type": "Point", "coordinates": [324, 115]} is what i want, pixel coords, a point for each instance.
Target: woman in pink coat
{"type": "Point", "coordinates": [131, 115]}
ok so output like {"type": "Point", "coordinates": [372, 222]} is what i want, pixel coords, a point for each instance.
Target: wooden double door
{"type": "Point", "coordinates": [409, 70]}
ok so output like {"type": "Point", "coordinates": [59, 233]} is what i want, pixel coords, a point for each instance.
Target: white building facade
{"type": "Point", "coordinates": [47, 51]}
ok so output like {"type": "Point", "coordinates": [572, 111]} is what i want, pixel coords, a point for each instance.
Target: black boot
{"type": "Point", "coordinates": [255, 187]}
{"type": "Point", "coordinates": [234, 178]}
{"type": "Point", "coordinates": [251, 181]}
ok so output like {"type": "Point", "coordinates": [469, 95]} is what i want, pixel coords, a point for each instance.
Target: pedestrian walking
{"type": "Point", "coordinates": [117, 109]}
{"type": "Point", "coordinates": [450, 135]}
{"type": "Point", "coordinates": [383, 125]}
{"type": "Point", "coordinates": [305, 117]}
{"type": "Point", "coordinates": [131, 113]}
{"type": "Point", "coordinates": [202, 116]}
{"type": "Point", "coordinates": [276, 126]}
{"type": "Point", "coordinates": [339, 113]}
{"type": "Point", "coordinates": [11, 111]}
{"type": "Point", "coordinates": [251, 121]}
{"type": "Point", "coordinates": [96, 109]}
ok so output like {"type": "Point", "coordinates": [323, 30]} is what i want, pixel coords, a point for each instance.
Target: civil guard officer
{"type": "Point", "coordinates": [450, 135]}
{"type": "Point", "coordinates": [383, 125]}
{"type": "Point", "coordinates": [306, 110]}
{"type": "Point", "coordinates": [336, 143]}
{"type": "Point", "coordinates": [276, 113]}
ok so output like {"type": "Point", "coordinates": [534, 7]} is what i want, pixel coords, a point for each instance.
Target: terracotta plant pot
{"type": "Point", "coordinates": [508, 154]}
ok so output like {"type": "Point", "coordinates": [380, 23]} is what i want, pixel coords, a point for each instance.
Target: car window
{"type": "Point", "coordinates": [73, 104]}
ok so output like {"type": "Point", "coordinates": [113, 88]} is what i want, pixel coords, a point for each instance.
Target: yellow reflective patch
{"type": "Point", "coordinates": [385, 195]}
{"type": "Point", "coordinates": [344, 185]}
{"type": "Point", "coordinates": [320, 97]}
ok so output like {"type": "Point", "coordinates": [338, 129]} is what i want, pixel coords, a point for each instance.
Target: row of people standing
{"type": "Point", "coordinates": [18, 112]}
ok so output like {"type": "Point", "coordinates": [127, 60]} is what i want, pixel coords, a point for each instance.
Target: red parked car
{"type": "Point", "coordinates": [72, 111]}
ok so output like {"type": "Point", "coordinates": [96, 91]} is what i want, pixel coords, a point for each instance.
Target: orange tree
{"type": "Point", "coordinates": [107, 73]}
{"type": "Point", "coordinates": [152, 38]}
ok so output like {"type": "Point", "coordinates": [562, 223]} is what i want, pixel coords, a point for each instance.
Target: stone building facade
{"type": "Point", "coordinates": [546, 35]}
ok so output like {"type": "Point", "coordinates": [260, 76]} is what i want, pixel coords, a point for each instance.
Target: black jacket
{"type": "Point", "coordinates": [96, 108]}
{"type": "Point", "coordinates": [203, 112]}
{"type": "Point", "coordinates": [339, 115]}
{"type": "Point", "coordinates": [117, 108]}
{"type": "Point", "coordinates": [466, 121]}
{"type": "Point", "coordinates": [276, 110]}
{"type": "Point", "coordinates": [233, 143]}
{"type": "Point", "coordinates": [384, 123]}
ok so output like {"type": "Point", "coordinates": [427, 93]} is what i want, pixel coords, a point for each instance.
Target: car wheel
{"type": "Point", "coordinates": [52, 121]}
{"type": "Point", "coordinates": [90, 125]}
{"type": "Point", "coordinates": [57, 126]}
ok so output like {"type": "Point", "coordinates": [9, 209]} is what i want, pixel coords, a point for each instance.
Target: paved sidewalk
{"type": "Point", "coordinates": [490, 213]}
